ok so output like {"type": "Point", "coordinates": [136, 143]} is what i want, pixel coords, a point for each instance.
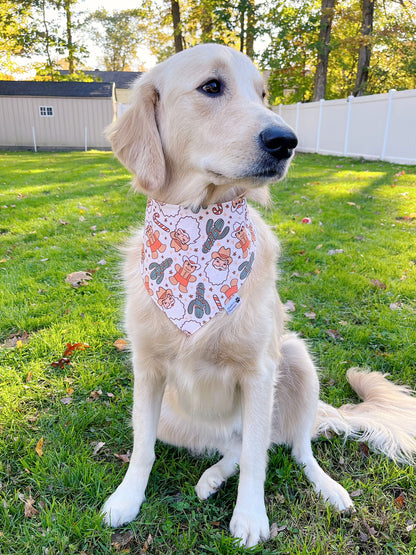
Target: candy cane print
{"type": "Point", "coordinates": [217, 302]}
{"type": "Point", "coordinates": [218, 209]}
{"type": "Point", "coordinates": [156, 215]}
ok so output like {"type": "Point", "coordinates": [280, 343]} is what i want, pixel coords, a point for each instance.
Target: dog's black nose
{"type": "Point", "coordinates": [278, 141]}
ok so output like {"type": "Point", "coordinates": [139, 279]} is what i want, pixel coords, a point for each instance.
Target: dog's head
{"type": "Point", "coordinates": [199, 123]}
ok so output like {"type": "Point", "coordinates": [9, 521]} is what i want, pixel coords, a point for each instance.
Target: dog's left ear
{"type": "Point", "coordinates": [135, 138]}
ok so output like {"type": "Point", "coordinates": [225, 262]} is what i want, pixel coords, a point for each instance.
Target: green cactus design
{"type": "Point", "coordinates": [158, 270]}
{"type": "Point", "coordinates": [245, 267]}
{"type": "Point", "coordinates": [215, 232]}
{"type": "Point", "coordinates": [199, 304]}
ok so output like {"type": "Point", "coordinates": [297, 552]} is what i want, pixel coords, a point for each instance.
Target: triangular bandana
{"type": "Point", "coordinates": [194, 262]}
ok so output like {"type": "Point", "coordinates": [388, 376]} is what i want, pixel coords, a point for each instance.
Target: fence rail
{"type": "Point", "coordinates": [376, 127]}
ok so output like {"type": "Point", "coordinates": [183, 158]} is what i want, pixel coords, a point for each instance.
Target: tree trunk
{"type": "Point", "coordinates": [251, 21]}
{"type": "Point", "coordinates": [321, 73]}
{"type": "Point", "coordinates": [364, 53]}
{"type": "Point", "coordinates": [177, 31]}
{"type": "Point", "coordinates": [206, 21]}
{"type": "Point", "coordinates": [71, 48]}
{"type": "Point", "coordinates": [47, 40]}
{"type": "Point", "coordinates": [242, 8]}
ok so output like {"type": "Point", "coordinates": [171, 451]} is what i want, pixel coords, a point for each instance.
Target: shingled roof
{"type": "Point", "coordinates": [56, 89]}
{"type": "Point", "coordinates": [122, 79]}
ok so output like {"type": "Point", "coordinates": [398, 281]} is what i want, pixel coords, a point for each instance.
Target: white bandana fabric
{"type": "Point", "coordinates": [194, 263]}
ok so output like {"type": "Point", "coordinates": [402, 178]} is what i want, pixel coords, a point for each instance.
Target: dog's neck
{"type": "Point", "coordinates": [211, 194]}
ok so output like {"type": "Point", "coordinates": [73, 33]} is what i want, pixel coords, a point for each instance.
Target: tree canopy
{"type": "Point", "coordinates": [311, 49]}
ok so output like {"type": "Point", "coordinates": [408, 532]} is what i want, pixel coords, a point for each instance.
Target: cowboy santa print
{"type": "Point", "coordinates": [217, 268]}
{"type": "Point", "coordinates": [169, 304]}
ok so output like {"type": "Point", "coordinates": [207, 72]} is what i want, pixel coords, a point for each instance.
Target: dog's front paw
{"type": "Point", "coordinates": [335, 495]}
{"type": "Point", "coordinates": [252, 527]}
{"type": "Point", "coordinates": [340, 499]}
{"type": "Point", "coordinates": [121, 507]}
{"type": "Point", "coordinates": [209, 483]}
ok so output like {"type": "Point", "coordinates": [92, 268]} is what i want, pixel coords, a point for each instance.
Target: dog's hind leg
{"type": "Point", "coordinates": [295, 406]}
{"type": "Point", "coordinates": [215, 476]}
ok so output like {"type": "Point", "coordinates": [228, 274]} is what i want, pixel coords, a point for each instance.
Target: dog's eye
{"type": "Point", "coordinates": [212, 87]}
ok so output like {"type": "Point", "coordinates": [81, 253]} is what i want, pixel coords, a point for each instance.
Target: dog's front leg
{"type": "Point", "coordinates": [124, 504]}
{"type": "Point", "coordinates": [249, 521]}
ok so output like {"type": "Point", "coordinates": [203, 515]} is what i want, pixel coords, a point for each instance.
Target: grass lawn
{"type": "Point", "coordinates": [64, 416]}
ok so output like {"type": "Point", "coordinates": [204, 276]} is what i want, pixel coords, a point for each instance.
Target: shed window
{"type": "Point", "coordinates": [46, 111]}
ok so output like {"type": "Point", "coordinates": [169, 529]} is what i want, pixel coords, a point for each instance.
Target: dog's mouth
{"type": "Point", "coordinates": [261, 172]}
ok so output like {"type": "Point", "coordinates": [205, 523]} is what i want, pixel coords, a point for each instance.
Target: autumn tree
{"type": "Point", "coordinates": [292, 33]}
{"type": "Point", "coordinates": [67, 6]}
{"type": "Point", "coordinates": [118, 34]}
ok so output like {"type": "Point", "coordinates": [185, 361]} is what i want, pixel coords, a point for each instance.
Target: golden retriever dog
{"type": "Point", "coordinates": [223, 376]}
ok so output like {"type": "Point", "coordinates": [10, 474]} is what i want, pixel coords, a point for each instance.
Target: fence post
{"type": "Point", "coordinates": [347, 128]}
{"type": "Point", "coordinates": [386, 131]}
{"type": "Point", "coordinates": [280, 109]}
{"type": "Point", "coordinates": [297, 117]}
{"type": "Point", "coordinates": [318, 134]}
{"type": "Point", "coordinates": [85, 139]}
{"type": "Point", "coordinates": [34, 139]}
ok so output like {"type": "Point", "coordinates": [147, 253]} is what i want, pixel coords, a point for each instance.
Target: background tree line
{"type": "Point", "coordinates": [311, 49]}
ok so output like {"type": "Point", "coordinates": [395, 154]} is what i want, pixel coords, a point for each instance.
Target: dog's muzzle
{"type": "Point", "coordinates": [278, 141]}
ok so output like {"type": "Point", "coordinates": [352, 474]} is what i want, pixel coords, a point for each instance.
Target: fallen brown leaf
{"type": "Point", "coordinates": [124, 458]}
{"type": "Point", "coordinates": [121, 541]}
{"type": "Point", "coordinates": [364, 450]}
{"type": "Point", "coordinates": [121, 344]}
{"type": "Point", "coordinates": [96, 394]}
{"type": "Point", "coordinates": [30, 510]}
{"type": "Point", "coordinates": [290, 306]}
{"type": "Point", "coordinates": [76, 279]}
{"type": "Point", "coordinates": [147, 544]}
{"type": "Point", "coordinates": [39, 447]}
{"type": "Point", "coordinates": [70, 347]}
{"type": "Point", "coordinates": [98, 446]}
{"type": "Point", "coordinates": [274, 529]}
{"type": "Point", "coordinates": [61, 362]}
{"type": "Point", "coordinates": [400, 501]}
{"type": "Point", "coordinates": [356, 493]}
{"type": "Point", "coordinates": [310, 315]}
{"type": "Point", "coordinates": [17, 339]}
{"type": "Point", "coordinates": [377, 283]}
{"type": "Point", "coordinates": [334, 334]}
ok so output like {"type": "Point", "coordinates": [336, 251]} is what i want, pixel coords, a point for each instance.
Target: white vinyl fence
{"type": "Point", "coordinates": [377, 127]}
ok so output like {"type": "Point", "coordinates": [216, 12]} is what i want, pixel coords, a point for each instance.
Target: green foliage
{"type": "Point", "coordinates": [283, 37]}
{"type": "Point", "coordinates": [17, 35]}
{"type": "Point", "coordinates": [118, 33]}
{"type": "Point", "coordinates": [291, 54]}
{"type": "Point", "coordinates": [293, 30]}
{"type": "Point", "coordinates": [64, 212]}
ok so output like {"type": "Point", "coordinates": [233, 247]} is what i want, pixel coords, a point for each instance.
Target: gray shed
{"type": "Point", "coordinates": [55, 115]}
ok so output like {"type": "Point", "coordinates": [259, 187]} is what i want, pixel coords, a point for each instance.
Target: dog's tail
{"type": "Point", "coordinates": [386, 418]}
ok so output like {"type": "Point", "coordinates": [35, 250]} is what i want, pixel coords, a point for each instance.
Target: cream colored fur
{"type": "Point", "coordinates": [240, 383]}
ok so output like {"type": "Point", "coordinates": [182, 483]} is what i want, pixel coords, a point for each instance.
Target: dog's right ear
{"type": "Point", "coordinates": [135, 138]}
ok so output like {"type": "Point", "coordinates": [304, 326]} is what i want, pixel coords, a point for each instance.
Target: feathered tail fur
{"type": "Point", "coordinates": [386, 418]}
